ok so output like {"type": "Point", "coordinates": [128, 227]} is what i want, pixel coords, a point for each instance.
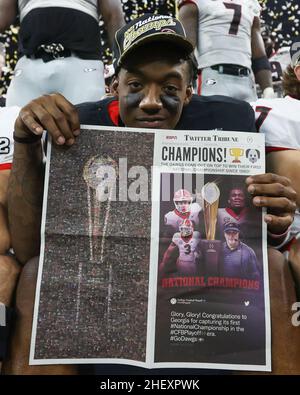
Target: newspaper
{"type": "Point", "coordinates": [152, 254]}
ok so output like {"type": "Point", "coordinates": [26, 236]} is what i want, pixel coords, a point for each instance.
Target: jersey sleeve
{"type": "Point", "coordinates": [277, 119]}
{"type": "Point", "coordinates": [175, 238]}
{"type": "Point", "coordinates": [256, 8]}
{"type": "Point", "coordinates": [166, 219]}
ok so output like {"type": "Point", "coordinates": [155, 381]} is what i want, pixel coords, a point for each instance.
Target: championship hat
{"type": "Point", "coordinates": [149, 28]}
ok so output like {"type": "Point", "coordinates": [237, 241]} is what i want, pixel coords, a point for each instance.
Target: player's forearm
{"type": "Point", "coordinates": [113, 17]}
{"type": "Point", "coordinates": [4, 232]}
{"type": "Point", "coordinates": [8, 13]}
{"type": "Point", "coordinates": [188, 15]}
{"type": "Point", "coordinates": [264, 79]}
{"type": "Point", "coordinates": [25, 195]}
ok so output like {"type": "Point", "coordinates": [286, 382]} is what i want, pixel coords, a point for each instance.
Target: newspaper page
{"type": "Point", "coordinates": [212, 306]}
{"type": "Point", "coordinates": [152, 254]}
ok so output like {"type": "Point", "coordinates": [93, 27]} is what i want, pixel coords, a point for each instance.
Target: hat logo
{"type": "Point", "coordinates": [133, 34]}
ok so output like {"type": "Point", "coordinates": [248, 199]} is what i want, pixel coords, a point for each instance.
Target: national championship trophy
{"type": "Point", "coordinates": [100, 174]}
{"type": "Point", "coordinates": [211, 248]}
{"type": "Point", "coordinates": [96, 175]}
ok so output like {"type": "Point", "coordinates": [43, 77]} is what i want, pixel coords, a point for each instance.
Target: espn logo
{"type": "Point", "coordinates": [2, 315]}
{"type": "Point", "coordinates": [171, 137]}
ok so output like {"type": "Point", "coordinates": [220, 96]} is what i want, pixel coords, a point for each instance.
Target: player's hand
{"type": "Point", "coordinates": [276, 194]}
{"type": "Point", "coordinates": [53, 113]}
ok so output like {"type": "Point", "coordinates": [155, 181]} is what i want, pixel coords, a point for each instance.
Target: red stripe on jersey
{"type": "Point", "coordinates": [184, 2]}
{"type": "Point", "coordinates": [186, 239]}
{"type": "Point", "coordinates": [199, 83]}
{"type": "Point", "coordinates": [182, 215]}
{"type": "Point", "coordinates": [235, 215]}
{"type": "Point", "coordinates": [5, 166]}
{"type": "Point", "coordinates": [113, 111]}
{"type": "Point", "coordinates": [288, 246]}
{"type": "Point", "coordinates": [272, 149]}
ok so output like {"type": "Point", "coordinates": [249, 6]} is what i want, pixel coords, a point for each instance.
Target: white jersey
{"type": "Point", "coordinates": [279, 62]}
{"type": "Point", "coordinates": [188, 248]}
{"type": "Point", "coordinates": [89, 7]}
{"type": "Point", "coordinates": [8, 116]}
{"type": "Point", "coordinates": [224, 31]}
{"type": "Point", "coordinates": [175, 218]}
{"type": "Point", "coordinates": [279, 120]}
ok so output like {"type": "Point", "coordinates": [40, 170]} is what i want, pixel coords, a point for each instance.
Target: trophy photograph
{"type": "Point", "coordinates": [100, 173]}
{"type": "Point", "coordinates": [211, 248]}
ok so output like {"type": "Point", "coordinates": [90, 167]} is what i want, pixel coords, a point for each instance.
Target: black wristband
{"type": "Point", "coordinates": [27, 140]}
{"type": "Point", "coordinates": [5, 324]}
{"type": "Point", "coordinates": [259, 64]}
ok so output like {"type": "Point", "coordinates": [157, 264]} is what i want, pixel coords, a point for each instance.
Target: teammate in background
{"type": "Point", "coordinates": [186, 245]}
{"type": "Point", "coordinates": [184, 209]}
{"type": "Point", "coordinates": [60, 47]}
{"type": "Point", "coordinates": [229, 45]}
{"type": "Point", "coordinates": [279, 60]}
{"type": "Point", "coordinates": [279, 120]}
{"type": "Point", "coordinates": [239, 260]}
{"type": "Point", "coordinates": [9, 269]}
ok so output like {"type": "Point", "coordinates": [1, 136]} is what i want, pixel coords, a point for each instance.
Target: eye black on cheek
{"type": "Point", "coordinates": [171, 103]}
{"type": "Point", "coordinates": [134, 99]}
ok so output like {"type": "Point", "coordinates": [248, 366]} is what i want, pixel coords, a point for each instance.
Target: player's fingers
{"type": "Point", "coordinates": [27, 123]}
{"type": "Point", "coordinates": [61, 122]}
{"type": "Point", "coordinates": [37, 115]}
{"type": "Point", "coordinates": [278, 224]}
{"type": "Point", "coordinates": [268, 178]}
{"type": "Point", "coordinates": [276, 189]}
{"type": "Point", "coordinates": [70, 112]}
{"type": "Point", "coordinates": [281, 204]}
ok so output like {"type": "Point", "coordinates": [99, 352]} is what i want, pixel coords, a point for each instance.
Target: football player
{"type": "Point", "coordinates": [279, 120]}
{"type": "Point", "coordinates": [279, 60]}
{"type": "Point", "coordinates": [229, 47]}
{"type": "Point", "coordinates": [184, 209]}
{"type": "Point", "coordinates": [186, 243]}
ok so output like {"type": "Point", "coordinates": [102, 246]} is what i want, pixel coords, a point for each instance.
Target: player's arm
{"type": "Point", "coordinates": [8, 13]}
{"type": "Point", "coordinates": [188, 15]}
{"type": "Point", "coordinates": [113, 17]}
{"type": "Point", "coordinates": [25, 192]}
{"type": "Point", "coordinates": [168, 257]}
{"type": "Point", "coordinates": [260, 63]}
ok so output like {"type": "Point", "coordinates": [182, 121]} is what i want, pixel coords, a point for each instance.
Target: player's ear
{"type": "Point", "coordinates": [297, 72]}
{"type": "Point", "coordinates": [115, 87]}
{"type": "Point", "coordinates": [188, 95]}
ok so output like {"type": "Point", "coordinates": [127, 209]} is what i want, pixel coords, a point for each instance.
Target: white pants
{"type": "Point", "coordinates": [239, 87]}
{"type": "Point", "coordinates": [79, 80]}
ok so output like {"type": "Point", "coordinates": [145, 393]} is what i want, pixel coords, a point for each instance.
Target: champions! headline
{"type": "Point", "coordinates": [218, 282]}
{"type": "Point", "coordinates": [193, 154]}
